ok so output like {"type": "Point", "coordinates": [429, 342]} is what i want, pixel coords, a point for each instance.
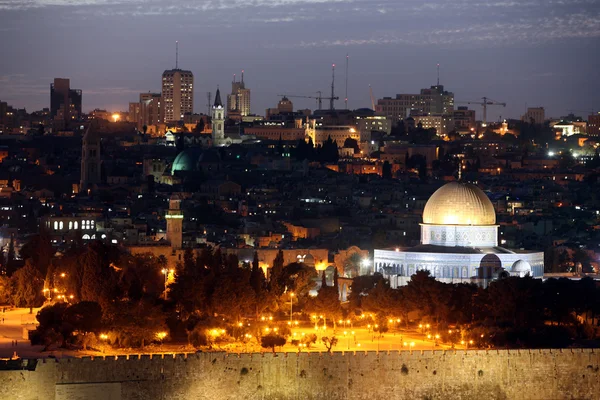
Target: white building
{"type": "Point", "coordinates": [459, 243]}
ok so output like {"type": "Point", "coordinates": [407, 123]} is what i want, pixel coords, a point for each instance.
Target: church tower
{"type": "Point", "coordinates": [174, 218]}
{"type": "Point", "coordinates": [90, 159]}
{"type": "Point", "coordinates": [218, 121]}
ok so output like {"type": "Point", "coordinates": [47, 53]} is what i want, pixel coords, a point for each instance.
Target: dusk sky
{"type": "Point", "coordinates": [525, 52]}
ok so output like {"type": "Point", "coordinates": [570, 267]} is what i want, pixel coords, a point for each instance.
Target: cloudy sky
{"type": "Point", "coordinates": [522, 52]}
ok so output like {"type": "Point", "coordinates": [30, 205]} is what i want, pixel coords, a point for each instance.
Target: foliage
{"type": "Point", "coordinates": [329, 342]}
{"type": "Point", "coordinates": [326, 302]}
{"type": "Point", "coordinates": [27, 283]}
{"type": "Point", "coordinates": [272, 340]}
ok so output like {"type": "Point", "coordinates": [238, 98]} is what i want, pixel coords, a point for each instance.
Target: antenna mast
{"type": "Point", "coordinates": [438, 73]}
{"type": "Point", "coordinates": [332, 87]}
{"type": "Point", "coordinates": [208, 105]}
{"type": "Point", "coordinates": [176, 54]}
{"type": "Point", "coordinates": [346, 97]}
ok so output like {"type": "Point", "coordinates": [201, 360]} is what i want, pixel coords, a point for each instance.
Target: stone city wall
{"type": "Point", "coordinates": [473, 374]}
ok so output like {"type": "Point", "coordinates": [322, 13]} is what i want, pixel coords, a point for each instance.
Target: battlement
{"type": "Point", "coordinates": [320, 354]}
{"type": "Point", "coordinates": [518, 374]}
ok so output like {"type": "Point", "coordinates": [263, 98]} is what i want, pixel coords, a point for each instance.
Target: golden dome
{"type": "Point", "coordinates": [458, 203]}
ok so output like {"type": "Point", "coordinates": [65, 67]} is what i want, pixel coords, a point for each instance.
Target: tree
{"type": "Point", "coordinates": [275, 286]}
{"type": "Point", "coordinates": [329, 342]}
{"type": "Point", "coordinates": [271, 341]}
{"type": "Point", "coordinates": [85, 317]}
{"type": "Point", "coordinates": [326, 302]}
{"type": "Point", "coordinates": [199, 128]}
{"type": "Point", "coordinates": [39, 249]}
{"type": "Point", "coordinates": [386, 170]}
{"type": "Point", "coordinates": [10, 257]}
{"type": "Point", "coordinates": [28, 284]}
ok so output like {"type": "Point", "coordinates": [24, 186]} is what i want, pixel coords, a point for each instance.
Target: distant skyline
{"type": "Point", "coordinates": [526, 53]}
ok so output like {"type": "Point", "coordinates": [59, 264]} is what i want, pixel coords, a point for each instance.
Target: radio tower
{"type": "Point", "coordinates": [176, 54]}
{"type": "Point", "coordinates": [346, 97]}
{"type": "Point", "coordinates": [332, 87]}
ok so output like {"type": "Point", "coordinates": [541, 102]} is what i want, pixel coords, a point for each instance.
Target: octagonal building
{"type": "Point", "coordinates": [459, 243]}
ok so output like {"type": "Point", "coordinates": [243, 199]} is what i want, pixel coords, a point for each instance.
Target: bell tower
{"type": "Point", "coordinates": [218, 121]}
{"type": "Point", "coordinates": [90, 160]}
{"type": "Point", "coordinates": [174, 218]}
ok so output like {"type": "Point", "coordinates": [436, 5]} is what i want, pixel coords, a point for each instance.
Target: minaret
{"type": "Point", "coordinates": [218, 121]}
{"type": "Point", "coordinates": [90, 160]}
{"type": "Point", "coordinates": [174, 218]}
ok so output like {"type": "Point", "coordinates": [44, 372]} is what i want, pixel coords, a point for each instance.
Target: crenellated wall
{"type": "Point", "coordinates": [473, 374]}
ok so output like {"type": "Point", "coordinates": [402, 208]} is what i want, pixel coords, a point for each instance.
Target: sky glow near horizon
{"type": "Point", "coordinates": [524, 53]}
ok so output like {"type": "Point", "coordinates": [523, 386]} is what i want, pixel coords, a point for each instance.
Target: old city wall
{"type": "Point", "coordinates": [503, 374]}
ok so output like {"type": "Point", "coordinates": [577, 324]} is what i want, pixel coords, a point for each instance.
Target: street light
{"type": "Point", "coordinates": [165, 272]}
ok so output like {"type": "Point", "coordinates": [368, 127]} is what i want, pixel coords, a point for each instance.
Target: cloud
{"type": "Point", "coordinates": [528, 31]}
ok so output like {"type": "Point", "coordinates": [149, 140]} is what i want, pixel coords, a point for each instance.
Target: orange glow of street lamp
{"type": "Point", "coordinates": [116, 117]}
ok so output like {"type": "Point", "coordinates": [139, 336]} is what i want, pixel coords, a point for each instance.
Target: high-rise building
{"type": "Point", "coordinates": [536, 115]}
{"type": "Point", "coordinates": [177, 94]}
{"type": "Point", "coordinates": [65, 103]}
{"type": "Point", "coordinates": [238, 102]}
{"type": "Point", "coordinates": [151, 110]}
{"type": "Point", "coordinates": [134, 112]}
{"type": "Point", "coordinates": [434, 100]}
{"type": "Point", "coordinates": [218, 121]}
{"type": "Point", "coordinates": [593, 127]}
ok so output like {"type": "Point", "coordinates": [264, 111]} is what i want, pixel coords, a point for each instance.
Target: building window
{"type": "Point", "coordinates": [55, 225]}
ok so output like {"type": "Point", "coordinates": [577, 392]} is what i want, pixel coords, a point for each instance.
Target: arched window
{"type": "Point", "coordinates": [75, 225]}
{"type": "Point", "coordinates": [55, 225]}
{"type": "Point", "coordinates": [70, 225]}
{"type": "Point", "coordinates": [61, 225]}
{"type": "Point", "coordinates": [86, 237]}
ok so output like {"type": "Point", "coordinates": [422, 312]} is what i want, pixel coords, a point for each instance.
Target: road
{"type": "Point", "coordinates": [12, 322]}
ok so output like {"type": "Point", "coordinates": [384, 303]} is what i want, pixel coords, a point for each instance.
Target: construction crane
{"type": "Point", "coordinates": [319, 98]}
{"type": "Point", "coordinates": [486, 102]}
{"type": "Point", "coordinates": [372, 98]}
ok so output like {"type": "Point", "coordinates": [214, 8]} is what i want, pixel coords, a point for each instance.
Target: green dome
{"type": "Point", "coordinates": [187, 160]}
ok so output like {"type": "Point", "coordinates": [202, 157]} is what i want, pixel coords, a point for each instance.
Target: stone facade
{"type": "Point", "coordinates": [480, 268]}
{"type": "Point", "coordinates": [474, 374]}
